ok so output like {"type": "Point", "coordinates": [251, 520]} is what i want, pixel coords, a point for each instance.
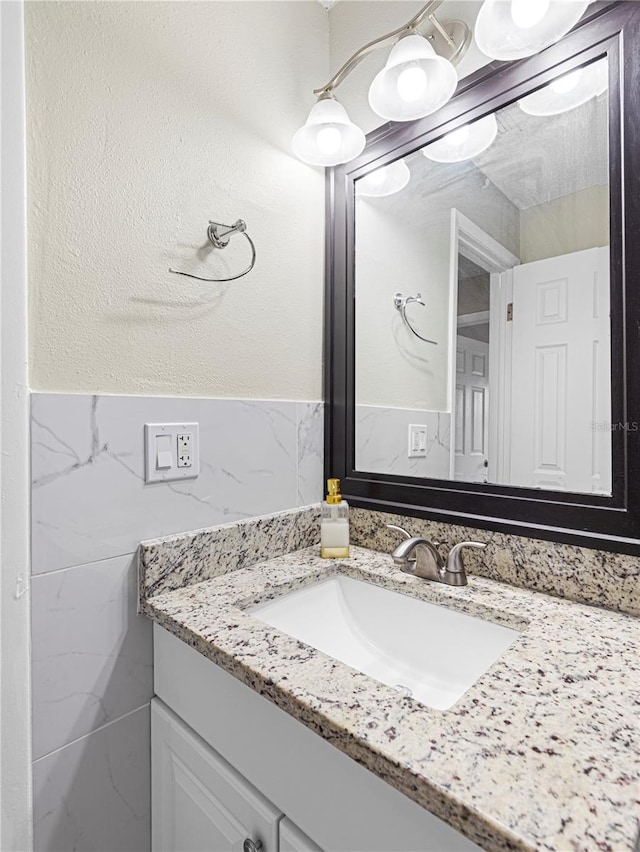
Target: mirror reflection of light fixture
{"type": "Point", "coordinates": [384, 181]}
{"type": "Point", "coordinates": [415, 81]}
{"type": "Point", "coordinates": [464, 143]}
{"type": "Point", "coordinates": [328, 138]}
{"type": "Point", "coordinates": [569, 91]}
{"type": "Point", "coordinates": [513, 29]}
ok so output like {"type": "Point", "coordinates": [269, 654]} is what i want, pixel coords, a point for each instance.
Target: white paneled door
{"type": "Point", "coordinates": [471, 407]}
{"type": "Point", "coordinates": [561, 375]}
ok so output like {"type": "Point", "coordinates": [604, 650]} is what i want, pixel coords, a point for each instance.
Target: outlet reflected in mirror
{"type": "Point", "coordinates": [503, 231]}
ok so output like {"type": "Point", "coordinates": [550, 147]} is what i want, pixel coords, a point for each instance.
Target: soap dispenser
{"type": "Point", "coordinates": [334, 524]}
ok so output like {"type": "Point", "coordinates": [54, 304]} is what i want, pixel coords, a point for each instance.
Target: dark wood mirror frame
{"type": "Point", "coordinates": [608, 523]}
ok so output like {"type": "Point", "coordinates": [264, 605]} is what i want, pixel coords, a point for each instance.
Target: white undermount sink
{"type": "Point", "coordinates": [421, 649]}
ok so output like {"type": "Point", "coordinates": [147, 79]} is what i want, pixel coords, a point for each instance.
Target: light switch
{"type": "Point", "coordinates": [164, 458]}
{"type": "Point", "coordinates": [171, 451]}
{"type": "Point", "coordinates": [417, 448]}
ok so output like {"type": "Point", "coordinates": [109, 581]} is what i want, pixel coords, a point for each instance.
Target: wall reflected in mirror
{"type": "Point", "coordinates": [482, 328]}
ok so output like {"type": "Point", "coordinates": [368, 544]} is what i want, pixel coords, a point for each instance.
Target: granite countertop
{"type": "Point", "coordinates": [543, 752]}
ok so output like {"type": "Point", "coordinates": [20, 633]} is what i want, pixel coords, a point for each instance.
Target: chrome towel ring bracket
{"type": "Point", "coordinates": [400, 303]}
{"type": "Point", "coordinates": [219, 236]}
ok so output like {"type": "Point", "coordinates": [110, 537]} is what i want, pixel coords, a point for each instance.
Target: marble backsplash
{"type": "Point", "coordinates": [596, 577]}
{"type": "Point", "coordinates": [382, 440]}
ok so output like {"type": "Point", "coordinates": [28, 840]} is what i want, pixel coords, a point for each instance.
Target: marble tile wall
{"type": "Point", "coordinates": [382, 441]}
{"type": "Point", "coordinates": [92, 652]}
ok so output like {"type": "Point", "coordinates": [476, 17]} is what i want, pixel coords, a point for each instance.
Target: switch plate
{"type": "Point", "coordinates": [171, 451]}
{"type": "Point", "coordinates": [417, 448]}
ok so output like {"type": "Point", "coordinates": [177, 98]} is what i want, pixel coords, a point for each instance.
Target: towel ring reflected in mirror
{"type": "Point", "coordinates": [400, 303]}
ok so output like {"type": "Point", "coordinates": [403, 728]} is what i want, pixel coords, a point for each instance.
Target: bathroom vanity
{"type": "Point", "coordinates": [266, 735]}
{"type": "Point", "coordinates": [259, 737]}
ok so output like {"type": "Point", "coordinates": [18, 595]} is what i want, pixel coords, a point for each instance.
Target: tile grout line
{"type": "Point", "coordinates": [83, 564]}
{"type": "Point", "coordinates": [90, 733]}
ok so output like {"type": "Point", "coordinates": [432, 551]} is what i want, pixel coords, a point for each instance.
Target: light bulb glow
{"type": "Point", "coordinates": [328, 137]}
{"type": "Point", "coordinates": [458, 137]}
{"type": "Point", "coordinates": [411, 84]}
{"type": "Point", "coordinates": [528, 13]}
{"type": "Point", "coordinates": [378, 177]}
{"type": "Point", "coordinates": [568, 91]}
{"type": "Point", "coordinates": [386, 180]}
{"type": "Point", "coordinates": [414, 82]}
{"type": "Point", "coordinates": [464, 143]}
{"type": "Point", "coordinates": [566, 83]}
{"type": "Point", "coordinates": [513, 29]}
{"type": "Point", "coordinates": [328, 140]}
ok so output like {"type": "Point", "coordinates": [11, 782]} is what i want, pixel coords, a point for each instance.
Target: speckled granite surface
{"type": "Point", "coordinates": [179, 560]}
{"type": "Point", "coordinates": [543, 752]}
{"type": "Point", "coordinates": [580, 574]}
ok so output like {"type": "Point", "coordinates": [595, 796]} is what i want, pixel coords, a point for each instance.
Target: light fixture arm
{"type": "Point", "coordinates": [426, 13]}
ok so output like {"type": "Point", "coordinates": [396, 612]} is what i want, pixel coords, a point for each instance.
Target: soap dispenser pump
{"type": "Point", "coordinates": [334, 524]}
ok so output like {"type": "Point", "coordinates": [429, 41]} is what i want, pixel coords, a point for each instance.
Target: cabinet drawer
{"type": "Point", "coordinates": [199, 802]}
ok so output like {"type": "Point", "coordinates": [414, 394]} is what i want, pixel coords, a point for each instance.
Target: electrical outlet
{"type": "Point", "coordinates": [417, 448]}
{"type": "Point", "coordinates": [184, 449]}
{"type": "Point", "coordinates": [171, 451]}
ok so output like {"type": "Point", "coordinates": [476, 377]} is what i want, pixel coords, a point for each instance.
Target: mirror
{"type": "Point", "coordinates": [482, 317]}
{"type": "Point", "coordinates": [469, 378]}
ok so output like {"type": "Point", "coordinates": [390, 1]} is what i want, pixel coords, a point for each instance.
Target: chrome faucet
{"type": "Point", "coordinates": [420, 557]}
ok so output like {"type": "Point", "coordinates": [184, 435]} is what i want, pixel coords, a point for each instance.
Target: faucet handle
{"type": "Point", "coordinates": [399, 529]}
{"type": "Point", "coordinates": [454, 559]}
{"type": "Point", "coordinates": [402, 561]}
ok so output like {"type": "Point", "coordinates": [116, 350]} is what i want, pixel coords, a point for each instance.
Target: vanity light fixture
{"type": "Point", "coordinates": [419, 76]}
{"type": "Point", "coordinates": [386, 180]}
{"type": "Point", "coordinates": [418, 79]}
{"type": "Point", "coordinates": [415, 81]}
{"type": "Point", "coordinates": [569, 91]}
{"type": "Point", "coordinates": [513, 29]}
{"type": "Point", "coordinates": [464, 143]}
{"type": "Point", "coordinates": [328, 137]}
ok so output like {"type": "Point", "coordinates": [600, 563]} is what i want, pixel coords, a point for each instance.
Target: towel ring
{"type": "Point", "coordinates": [400, 303]}
{"type": "Point", "coordinates": [220, 239]}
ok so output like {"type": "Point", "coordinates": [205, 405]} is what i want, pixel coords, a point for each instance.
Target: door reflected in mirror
{"type": "Point", "coordinates": [482, 321]}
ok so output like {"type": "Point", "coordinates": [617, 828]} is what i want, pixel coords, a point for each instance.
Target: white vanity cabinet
{"type": "Point", "coordinates": [199, 802]}
{"type": "Point", "coordinates": [227, 765]}
{"type": "Point", "coordinates": [293, 840]}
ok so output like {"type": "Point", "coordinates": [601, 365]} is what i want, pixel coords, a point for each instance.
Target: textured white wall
{"type": "Point", "coordinates": [403, 245]}
{"type": "Point", "coordinates": [394, 368]}
{"type": "Point", "coordinates": [145, 120]}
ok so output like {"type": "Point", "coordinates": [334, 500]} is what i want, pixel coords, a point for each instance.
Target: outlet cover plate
{"type": "Point", "coordinates": [417, 443]}
{"type": "Point", "coordinates": [155, 472]}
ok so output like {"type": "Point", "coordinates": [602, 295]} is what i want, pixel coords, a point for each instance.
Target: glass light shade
{"type": "Point", "coordinates": [568, 92]}
{"type": "Point", "coordinates": [464, 143]}
{"type": "Point", "coordinates": [512, 29]}
{"type": "Point", "coordinates": [385, 180]}
{"type": "Point", "coordinates": [415, 81]}
{"type": "Point", "coordinates": [328, 137]}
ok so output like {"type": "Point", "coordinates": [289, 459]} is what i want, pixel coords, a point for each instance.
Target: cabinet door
{"type": "Point", "coordinates": [199, 802]}
{"type": "Point", "coordinates": [294, 840]}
